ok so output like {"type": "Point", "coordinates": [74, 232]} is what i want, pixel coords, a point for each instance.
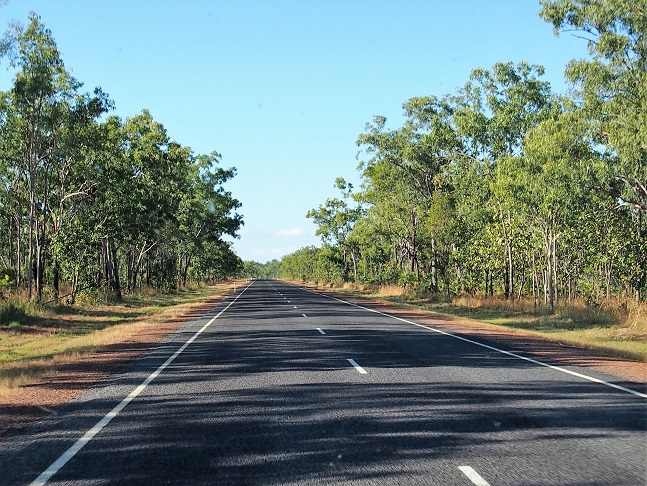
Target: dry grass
{"type": "Point", "coordinates": [59, 335]}
{"type": "Point", "coordinates": [391, 291]}
{"type": "Point", "coordinates": [354, 286]}
{"type": "Point", "coordinates": [620, 330]}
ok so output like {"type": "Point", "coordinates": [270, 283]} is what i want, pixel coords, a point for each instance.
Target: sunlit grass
{"type": "Point", "coordinates": [50, 336]}
{"type": "Point", "coordinates": [619, 330]}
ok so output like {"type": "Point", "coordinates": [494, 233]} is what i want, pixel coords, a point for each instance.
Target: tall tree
{"type": "Point", "coordinates": [493, 113]}
{"type": "Point", "coordinates": [335, 221]}
{"type": "Point", "coordinates": [45, 112]}
{"type": "Point", "coordinates": [612, 87]}
{"type": "Point", "coordinates": [613, 83]}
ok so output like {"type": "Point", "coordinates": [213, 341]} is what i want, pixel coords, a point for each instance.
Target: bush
{"type": "Point", "coordinates": [7, 277]}
{"type": "Point", "coordinates": [12, 312]}
{"type": "Point", "coordinates": [14, 326]}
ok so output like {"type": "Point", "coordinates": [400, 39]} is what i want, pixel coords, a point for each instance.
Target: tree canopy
{"type": "Point", "coordinates": [505, 187]}
{"type": "Point", "coordinates": [89, 200]}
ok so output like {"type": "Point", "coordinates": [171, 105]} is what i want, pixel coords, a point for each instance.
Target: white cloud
{"type": "Point", "coordinates": [289, 233]}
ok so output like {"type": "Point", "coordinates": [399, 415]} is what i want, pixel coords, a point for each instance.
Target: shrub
{"type": "Point", "coordinates": [14, 326]}
{"type": "Point", "coordinates": [11, 311]}
{"type": "Point", "coordinates": [7, 277]}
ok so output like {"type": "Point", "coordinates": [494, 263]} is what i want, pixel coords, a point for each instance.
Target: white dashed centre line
{"type": "Point", "coordinates": [473, 476]}
{"type": "Point", "coordinates": [304, 315]}
{"type": "Point", "coordinates": [321, 331]}
{"type": "Point", "coordinates": [357, 367]}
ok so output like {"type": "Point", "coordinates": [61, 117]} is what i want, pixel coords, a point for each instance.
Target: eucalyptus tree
{"type": "Point", "coordinates": [373, 241]}
{"type": "Point", "coordinates": [335, 220]}
{"type": "Point", "coordinates": [493, 112]}
{"type": "Point", "coordinates": [13, 200]}
{"type": "Point", "coordinates": [403, 174]}
{"type": "Point", "coordinates": [217, 261]}
{"type": "Point", "coordinates": [75, 179]}
{"type": "Point", "coordinates": [301, 264]}
{"type": "Point", "coordinates": [45, 113]}
{"type": "Point", "coordinates": [553, 183]}
{"type": "Point", "coordinates": [158, 173]}
{"type": "Point", "coordinates": [396, 207]}
{"type": "Point", "coordinates": [206, 211]}
{"type": "Point", "coordinates": [96, 202]}
{"type": "Point", "coordinates": [613, 82]}
{"type": "Point", "coordinates": [612, 88]}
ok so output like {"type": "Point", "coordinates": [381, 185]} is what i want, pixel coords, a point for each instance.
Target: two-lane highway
{"type": "Point", "coordinates": [280, 385]}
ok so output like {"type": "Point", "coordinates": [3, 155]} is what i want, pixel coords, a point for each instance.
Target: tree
{"type": "Point", "coordinates": [553, 182]}
{"type": "Point", "coordinates": [335, 221]}
{"type": "Point", "coordinates": [44, 115]}
{"type": "Point", "coordinates": [612, 87]}
{"type": "Point", "coordinates": [493, 113]}
{"type": "Point", "coordinates": [613, 83]}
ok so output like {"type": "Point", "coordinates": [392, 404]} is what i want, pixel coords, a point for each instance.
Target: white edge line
{"type": "Point", "coordinates": [473, 476]}
{"type": "Point", "coordinates": [508, 353]}
{"type": "Point", "coordinates": [89, 435]}
{"type": "Point", "coordinates": [357, 367]}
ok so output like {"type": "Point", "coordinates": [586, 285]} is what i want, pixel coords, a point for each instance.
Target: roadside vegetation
{"type": "Point", "coordinates": [41, 338]}
{"type": "Point", "coordinates": [505, 201]}
{"type": "Point", "coordinates": [619, 329]}
{"type": "Point", "coordinates": [90, 201]}
{"type": "Point", "coordinates": [107, 225]}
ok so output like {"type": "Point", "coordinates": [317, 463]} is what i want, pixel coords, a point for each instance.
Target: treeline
{"type": "Point", "coordinates": [504, 187]}
{"type": "Point", "coordinates": [89, 200]}
{"type": "Point", "coordinates": [268, 270]}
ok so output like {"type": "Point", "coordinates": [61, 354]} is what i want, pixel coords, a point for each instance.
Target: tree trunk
{"type": "Point", "coordinates": [535, 281]}
{"type": "Point", "coordinates": [185, 270]}
{"type": "Point", "coordinates": [554, 239]}
{"type": "Point", "coordinates": [549, 270]}
{"type": "Point", "coordinates": [75, 286]}
{"type": "Point", "coordinates": [19, 255]}
{"type": "Point", "coordinates": [30, 252]}
{"type": "Point", "coordinates": [115, 269]}
{"type": "Point", "coordinates": [509, 273]}
{"type": "Point", "coordinates": [434, 266]}
{"type": "Point", "coordinates": [56, 277]}
{"type": "Point", "coordinates": [608, 272]}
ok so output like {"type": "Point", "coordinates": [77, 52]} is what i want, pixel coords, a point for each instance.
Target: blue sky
{"type": "Point", "coordinates": [283, 88]}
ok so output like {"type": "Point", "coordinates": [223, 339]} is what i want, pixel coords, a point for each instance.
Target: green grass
{"type": "Point", "coordinates": [56, 333]}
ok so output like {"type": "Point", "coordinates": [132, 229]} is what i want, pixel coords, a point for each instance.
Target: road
{"type": "Point", "coordinates": [279, 385]}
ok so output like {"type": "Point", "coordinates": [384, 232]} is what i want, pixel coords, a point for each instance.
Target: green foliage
{"type": "Point", "coordinates": [7, 277]}
{"type": "Point", "coordinates": [612, 84]}
{"type": "Point", "coordinates": [505, 188]}
{"type": "Point", "coordinates": [14, 326]}
{"type": "Point", "coordinates": [269, 270]}
{"type": "Point", "coordinates": [100, 203]}
{"type": "Point", "coordinates": [11, 312]}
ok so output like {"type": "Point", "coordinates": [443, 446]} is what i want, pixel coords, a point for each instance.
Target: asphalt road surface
{"type": "Point", "coordinates": [279, 385]}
